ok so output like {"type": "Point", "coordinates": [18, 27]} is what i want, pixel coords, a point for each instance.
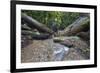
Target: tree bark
{"type": "Point", "coordinates": [81, 24]}
{"type": "Point", "coordinates": [32, 23]}
{"type": "Point", "coordinates": [25, 27]}
{"type": "Point", "coordinates": [35, 35]}
{"type": "Point", "coordinates": [62, 38]}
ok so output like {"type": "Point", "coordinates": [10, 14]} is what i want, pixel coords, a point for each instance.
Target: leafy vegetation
{"type": "Point", "coordinates": [60, 19]}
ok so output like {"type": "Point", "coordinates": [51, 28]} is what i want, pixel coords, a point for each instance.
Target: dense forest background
{"type": "Point", "coordinates": [60, 19]}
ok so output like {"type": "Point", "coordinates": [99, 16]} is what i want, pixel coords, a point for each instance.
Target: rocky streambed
{"type": "Point", "coordinates": [48, 50]}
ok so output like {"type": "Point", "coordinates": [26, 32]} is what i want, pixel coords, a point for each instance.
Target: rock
{"type": "Point", "coordinates": [59, 52]}
{"type": "Point", "coordinates": [79, 45]}
{"type": "Point", "coordinates": [67, 43]}
{"type": "Point", "coordinates": [25, 40]}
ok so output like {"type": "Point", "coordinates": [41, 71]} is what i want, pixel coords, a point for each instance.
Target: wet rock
{"type": "Point", "coordinates": [59, 52]}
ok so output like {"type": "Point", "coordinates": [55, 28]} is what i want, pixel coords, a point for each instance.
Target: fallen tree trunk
{"type": "Point", "coordinates": [32, 23]}
{"type": "Point", "coordinates": [26, 32]}
{"type": "Point", "coordinates": [60, 39]}
{"type": "Point", "coordinates": [84, 35]}
{"type": "Point", "coordinates": [81, 24]}
{"type": "Point", "coordinates": [35, 35]}
{"type": "Point", "coordinates": [41, 36]}
{"type": "Point", "coordinates": [25, 27]}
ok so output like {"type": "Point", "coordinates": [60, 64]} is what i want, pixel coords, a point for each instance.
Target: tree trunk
{"type": "Point", "coordinates": [81, 24]}
{"type": "Point", "coordinates": [25, 27]}
{"type": "Point", "coordinates": [35, 35]}
{"type": "Point", "coordinates": [32, 23]}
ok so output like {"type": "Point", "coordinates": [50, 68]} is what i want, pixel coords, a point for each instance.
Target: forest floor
{"type": "Point", "coordinates": [42, 51]}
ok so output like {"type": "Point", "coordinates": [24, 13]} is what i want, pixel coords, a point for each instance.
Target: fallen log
{"type": "Point", "coordinates": [41, 36]}
{"type": "Point", "coordinates": [32, 23]}
{"type": "Point", "coordinates": [26, 32]}
{"type": "Point", "coordinates": [81, 24]}
{"type": "Point", "coordinates": [68, 40]}
{"type": "Point", "coordinates": [62, 38]}
{"type": "Point", "coordinates": [25, 27]}
{"type": "Point", "coordinates": [84, 35]}
{"type": "Point", "coordinates": [35, 35]}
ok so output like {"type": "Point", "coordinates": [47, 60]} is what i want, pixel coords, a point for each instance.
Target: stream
{"type": "Point", "coordinates": [48, 50]}
{"type": "Point", "coordinates": [59, 52]}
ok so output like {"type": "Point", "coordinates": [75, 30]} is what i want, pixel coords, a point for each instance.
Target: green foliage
{"type": "Point", "coordinates": [62, 19]}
